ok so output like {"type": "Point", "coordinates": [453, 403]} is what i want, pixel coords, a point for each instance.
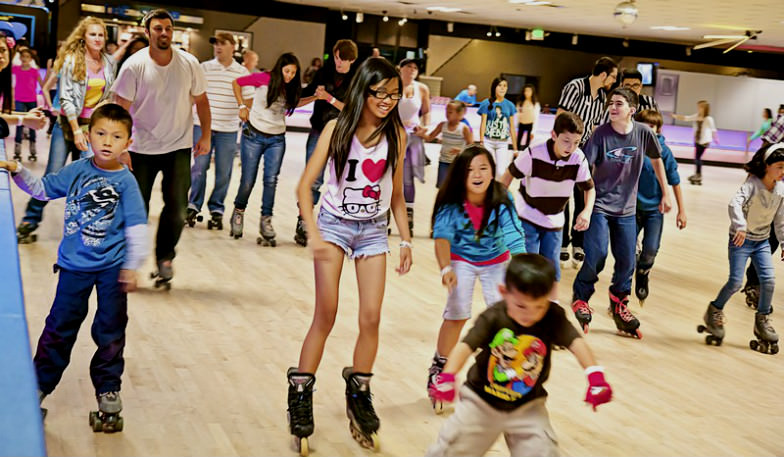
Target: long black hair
{"type": "Point", "coordinates": [534, 98]}
{"type": "Point", "coordinates": [291, 90]}
{"type": "Point", "coordinates": [453, 189]}
{"type": "Point", "coordinates": [138, 39]}
{"type": "Point", "coordinates": [758, 164]}
{"type": "Point", "coordinates": [372, 71]}
{"type": "Point", "coordinates": [6, 89]}
{"type": "Point", "coordinates": [493, 85]}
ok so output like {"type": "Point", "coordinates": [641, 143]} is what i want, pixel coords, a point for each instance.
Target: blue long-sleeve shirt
{"type": "Point", "coordinates": [503, 233]}
{"type": "Point", "coordinates": [649, 192]}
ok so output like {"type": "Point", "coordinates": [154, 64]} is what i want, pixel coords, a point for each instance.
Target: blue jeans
{"type": "Point", "coordinates": [544, 242]}
{"type": "Point", "coordinates": [759, 251]}
{"type": "Point", "coordinates": [650, 222]}
{"type": "Point", "coordinates": [59, 150]}
{"type": "Point", "coordinates": [65, 318]}
{"type": "Point", "coordinates": [310, 146]}
{"type": "Point", "coordinates": [253, 147]}
{"type": "Point", "coordinates": [24, 107]}
{"type": "Point", "coordinates": [224, 144]}
{"type": "Point", "coordinates": [620, 233]}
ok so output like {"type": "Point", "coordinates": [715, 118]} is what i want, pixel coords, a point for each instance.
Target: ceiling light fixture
{"type": "Point", "coordinates": [670, 28]}
{"type": "Point", "coordinates": [626, 12]}
{"type": "Point", "coordinates": [360, 17]}
{"type": "Point", "coordinates": [343, 16]}
{"type": "Point", "coordinates": [402, 21]}
{"type": "Point", "coordinates": [385, 18]}
{"type": "Point", "coordinates": [450, 27]}
{"type": "Point", "coordinates": [497, 33]}
{"type": "Point", "coordinates": [444, 9]}
{"type": "Point", "coordinates": [574, 40]}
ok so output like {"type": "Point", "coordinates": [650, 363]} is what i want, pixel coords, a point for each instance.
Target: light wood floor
{"type": "Point", "coordinates": [206, 362]}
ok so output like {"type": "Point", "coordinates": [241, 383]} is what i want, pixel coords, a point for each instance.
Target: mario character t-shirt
{"type": "Point", "coordinates": [514, 361]}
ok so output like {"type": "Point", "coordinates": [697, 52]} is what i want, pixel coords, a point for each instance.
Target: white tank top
{"type": "Point", "coordinates": [409, 107]}
{"type": "Point", "coordinates": [365, 189]}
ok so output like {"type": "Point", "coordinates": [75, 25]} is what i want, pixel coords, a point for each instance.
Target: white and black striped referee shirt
{"type": "Point", "coordinates": [576, 97]}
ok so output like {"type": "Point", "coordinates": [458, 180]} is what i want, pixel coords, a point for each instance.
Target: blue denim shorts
{"type": "Point", "coordinates": [356, 238]}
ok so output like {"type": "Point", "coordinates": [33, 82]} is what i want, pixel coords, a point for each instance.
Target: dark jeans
{"type": "Point", "coordinates": [751, 273]}
{"type": "Point", "coordinates": [253, 146]}
{"type": "Point", "coordinates": [699, 150]}
{"type": "Point", "coordinates": [310, 146]}
{"type": "Point", "coordinates": [59, 150]}
{"type": "Point", "coordinates": [24, 107]}
{"type": "Point", "coordinates": [524, 128]}
{"type": "Point", "coordinates": [176, 169]}
{"type": "Point", "coordinates": [65, 318]}
{"type": "Point", "coordinates": [577, 236]}
{"type": "Point", "coordinates": [619, 233]}
{"type": "Point", "coordinates": [650, 223]}
{"type": "Point", "coordinates": [443, 170]}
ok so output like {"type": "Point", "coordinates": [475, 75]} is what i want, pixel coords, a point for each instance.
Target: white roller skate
{"type": "Point", "coordinates": [267, 232]}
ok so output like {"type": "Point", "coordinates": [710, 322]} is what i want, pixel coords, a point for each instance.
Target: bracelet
{"type": "Point", "coordinates": [406, 244]}
{"type": "Point", "coordinates": [20, 118]}
{"type": "Point", "coordinates": [331, 100]}
{"type": "Point", "coordinates": [446, 270]}
{"type": "Point", "coordinates": [243, 106]}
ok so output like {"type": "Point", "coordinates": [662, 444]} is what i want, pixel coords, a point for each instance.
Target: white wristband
{"type": "Point", "coordinates": [446, 270]}
{"type": "Point", "coordinates": [243, 107]}
{"type": "Point", "coordinates": [78, 132]}
{"type": "Point", "coordinates": [20, 119]}
{"type": "Point", "coordinates": [406, 244]}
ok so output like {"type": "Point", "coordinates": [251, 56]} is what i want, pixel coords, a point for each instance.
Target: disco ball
{"type": "Point", "coordinates": [626, 12]}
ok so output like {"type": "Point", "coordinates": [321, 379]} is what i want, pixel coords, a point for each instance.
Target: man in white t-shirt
{"type": "Point", "coordinates": [159, 85]}
{"type": "Point", "coordinates": [220, 73]}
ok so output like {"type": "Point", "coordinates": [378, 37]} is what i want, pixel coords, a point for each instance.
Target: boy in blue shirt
{"type": "Point", "coordinates": [649, 219]}
{"type": "Point", "coordinates": [104, 242]}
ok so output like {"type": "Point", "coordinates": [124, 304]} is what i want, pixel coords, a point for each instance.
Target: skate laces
{"type": "Point", "coordinates": [717, 318]}
{"type": "Point", "coordinates": [581, 306]}
{"type": "Point", "coordinates": [622, 309]}
{"type": "Point", "coordinates": [766, 323]}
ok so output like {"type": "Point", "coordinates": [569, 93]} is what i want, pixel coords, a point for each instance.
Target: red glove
{"type": "Point", "coordinates": [444, 388]}
{"type": "Point", "coordinates": [599, 392]}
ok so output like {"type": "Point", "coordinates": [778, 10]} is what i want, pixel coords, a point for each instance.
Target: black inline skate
{"type": "Point", "coordinates": [24, 233]}
{"type": "Point", "coordinates": [435, 369]}
{"type": "Point", "coordinates": [714, 325]}
{"type": "Point", "coordinates": [625, 322]}
{"type": "Point", "coordinates": [107, 419]}
{"type": "Point", "coordinates": [752, 293]}
{"type": "Point", "coordinates": [363, 422]}
{"type": "Point", "coordinates": [767, 341]}
{"type": "Point", "coordinates": [300, 234]}
{"type": "Point", "coordinates": [300, 411]}
{"type": "Point", "coordinates": [641, 285]}
{"type": "Point", "coordinates": [192, 217]}
{"type": "Point", "coordinates": [216, 221]}
{"type": "Point", "coordinates": [582, 312]}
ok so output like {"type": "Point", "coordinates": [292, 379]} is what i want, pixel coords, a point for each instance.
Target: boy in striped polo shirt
{"type": "Point", "coordinates": [548, 173]}
{"type": "Point", "coordinates": [220, 73]}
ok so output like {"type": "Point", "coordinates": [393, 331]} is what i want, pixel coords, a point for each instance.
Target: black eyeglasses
{"type": "Point", "coordinates": [383, 95]}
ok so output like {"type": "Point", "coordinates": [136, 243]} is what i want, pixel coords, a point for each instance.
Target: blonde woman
{"type": "Point", "coordinates": [86, 74]}
{"type": "Point", "coordinates": [704, 131]}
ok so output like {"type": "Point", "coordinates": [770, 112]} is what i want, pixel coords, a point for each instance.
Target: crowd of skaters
{"type": "Point", "coordinates": [368, 129]}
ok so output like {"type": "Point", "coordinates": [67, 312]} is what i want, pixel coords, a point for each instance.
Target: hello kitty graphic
{"type": "Point", "coordinates": [362, 202]}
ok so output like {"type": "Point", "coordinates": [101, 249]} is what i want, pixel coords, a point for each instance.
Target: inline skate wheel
{"type": "Point", "coordinates": [712, 340]}
{"type": "Point", "coordinates": [302, 446]}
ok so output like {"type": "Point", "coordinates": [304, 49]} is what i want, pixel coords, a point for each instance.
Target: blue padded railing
{"type": "Point", "coordinates": [21, 427]}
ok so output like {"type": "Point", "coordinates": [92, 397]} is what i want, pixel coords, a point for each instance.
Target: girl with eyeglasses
{"type": "Point", "coordinates": [363, 149]}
